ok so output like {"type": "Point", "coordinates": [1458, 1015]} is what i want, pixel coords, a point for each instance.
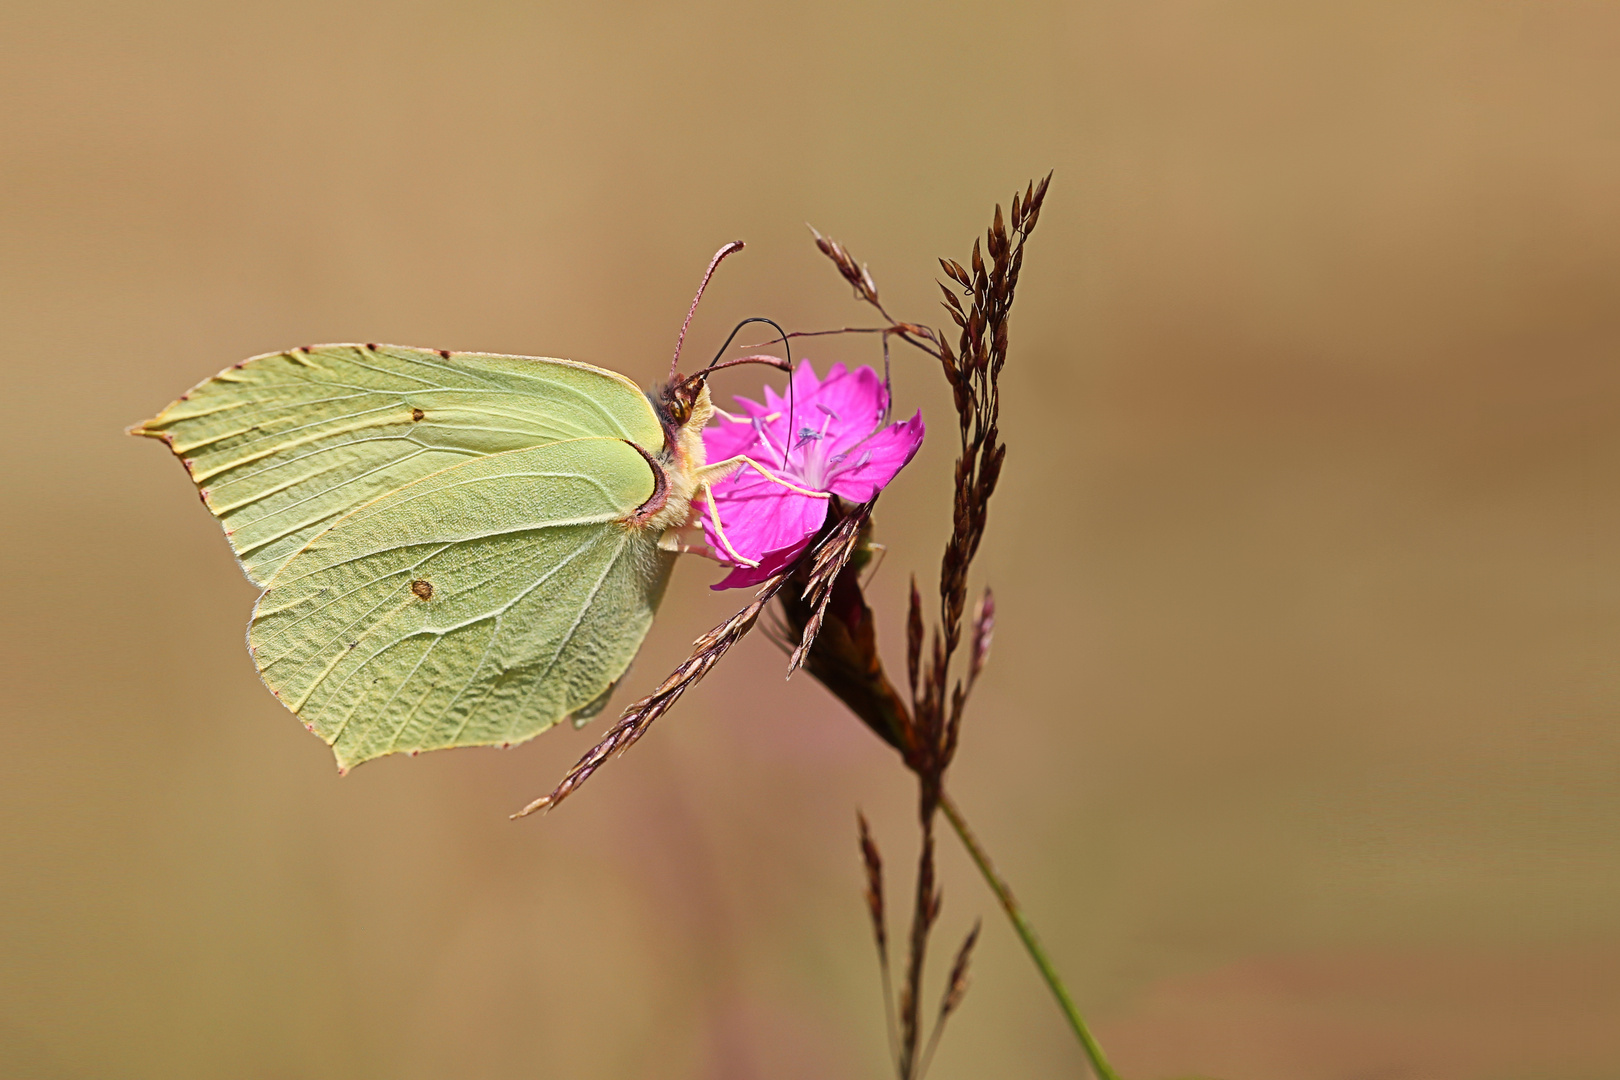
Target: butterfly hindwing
{"type": "Point", "coordinates": [282, 445]}
{"type": "Point", "coordinates": [478, 605]}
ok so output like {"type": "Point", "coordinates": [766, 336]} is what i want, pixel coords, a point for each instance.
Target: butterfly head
{"type": "Point", "coordinates": [681, 397]}
{"type": "Point", "coordinates": [684, 408]}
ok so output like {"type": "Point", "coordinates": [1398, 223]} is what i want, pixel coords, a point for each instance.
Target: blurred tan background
{"type": "Point", "coordinates": [1300, 736]}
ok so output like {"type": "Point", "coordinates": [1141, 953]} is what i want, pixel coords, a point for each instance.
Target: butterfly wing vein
{"type": "Point", "coordinates": [478, 605]}
{"type": "Point", "coordinates": [283, 445]}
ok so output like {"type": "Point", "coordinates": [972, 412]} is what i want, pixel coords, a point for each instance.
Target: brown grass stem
{"type": "Point", "coordinates": [880, 928]}
{"type": "Point", "coordinates": [922, 922]}
{"type": "Point", "coordinates": [834, 625]}
{"type": "Point", "coordinates": [955, 989]}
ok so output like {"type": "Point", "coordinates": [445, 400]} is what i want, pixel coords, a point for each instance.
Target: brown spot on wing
{"type": "Point", "coordinates": [422, 589]}
{"type": "Point", "coordinates": [445, 353]}
{"type": "Point", "coordinates": [418, 414]}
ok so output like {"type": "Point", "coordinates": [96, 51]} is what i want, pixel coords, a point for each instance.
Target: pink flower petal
{"type": "Point", "coordinates": [870, 465]}
{"type": "Point", "coordinates": [854, 401]}
{"type": "Point", "coordinates": [728, 438]}
{"type": "Point", "coordinates": [759, 516]}
{"type": "Point", "coordinates": [825, 438]}
{"type": "Point", "coordinates": [744, 577]}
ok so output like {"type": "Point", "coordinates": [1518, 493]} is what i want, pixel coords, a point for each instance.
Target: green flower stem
{"type": "Point", "coordinates": [1026, 933]}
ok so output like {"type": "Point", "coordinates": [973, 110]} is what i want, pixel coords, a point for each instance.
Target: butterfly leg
{"type": "Point", "coordinates": [710, 475]}
{"type": "Point", "coordinates": [713, 474]}
{"type": "Point", "coordinates": [685, 539]}
{"type": "Point", "coordinates": [706, 493]}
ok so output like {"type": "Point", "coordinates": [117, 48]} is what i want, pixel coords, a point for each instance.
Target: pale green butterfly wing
{"type": "Point", "coordinates": [476, 606]}
{"type": "Point", "coordinates": [282, 445]}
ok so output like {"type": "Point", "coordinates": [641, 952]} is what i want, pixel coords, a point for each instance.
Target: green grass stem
{"type": "Point", "coordinates": [1026, 934]}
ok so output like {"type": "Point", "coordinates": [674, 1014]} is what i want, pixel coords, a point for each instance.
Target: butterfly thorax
{"type": "Point", "coordinates": [685, 411]}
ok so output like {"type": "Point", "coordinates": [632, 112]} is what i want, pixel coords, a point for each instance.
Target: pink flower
{"type": "Point", "coordinates": [839, 446]}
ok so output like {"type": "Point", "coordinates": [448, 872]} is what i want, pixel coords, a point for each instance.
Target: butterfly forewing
{"type": "Point", "coordinates": [478, 605]}
{"type": "Point", "coordinates": [282, 445]}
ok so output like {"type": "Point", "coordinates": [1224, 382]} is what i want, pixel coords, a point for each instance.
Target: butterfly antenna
{"type": "Point", "coordinates": [719, 256]}
{"type": "Point", "coordinates": [787, 444]}
{"type": "Point", "coordinates": [888, 388]}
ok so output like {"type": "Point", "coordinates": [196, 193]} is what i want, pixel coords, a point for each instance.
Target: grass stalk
{"type": "Point", "coordinates": [1026, 934]}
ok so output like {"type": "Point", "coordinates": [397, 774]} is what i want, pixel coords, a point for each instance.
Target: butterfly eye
{"type": "Point", "coordinates": [679, 397]}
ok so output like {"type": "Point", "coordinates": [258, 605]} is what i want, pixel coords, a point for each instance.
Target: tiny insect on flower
{"type": "Point", "coordinates": [837, 444]}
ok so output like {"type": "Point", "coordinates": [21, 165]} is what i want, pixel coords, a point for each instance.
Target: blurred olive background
{"type": "Point", "coordinates": [1299, 740]}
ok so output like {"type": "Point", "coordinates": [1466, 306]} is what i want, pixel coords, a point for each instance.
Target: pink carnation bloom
{"type": "Point", "coordinates": [840, 446]}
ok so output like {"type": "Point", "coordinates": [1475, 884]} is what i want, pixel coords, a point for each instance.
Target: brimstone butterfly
{"type": "Point", "coordinates": [456, 549]}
